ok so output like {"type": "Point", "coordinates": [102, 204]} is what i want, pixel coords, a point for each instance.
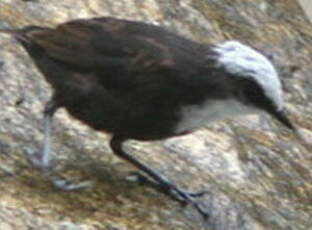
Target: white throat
{"type": "Point", "coordinates": [196, 116]}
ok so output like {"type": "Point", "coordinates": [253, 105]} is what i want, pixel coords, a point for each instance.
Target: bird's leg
{"type": "Point", "coordinates": [43, 160]}
{"type": "Point", "coordinates": [160, 183]}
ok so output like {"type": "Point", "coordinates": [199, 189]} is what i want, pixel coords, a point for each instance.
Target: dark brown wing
{"type": "Point", "coordinates": [112, 43]}
{"type": "Point", "coordinates": [127, 56]}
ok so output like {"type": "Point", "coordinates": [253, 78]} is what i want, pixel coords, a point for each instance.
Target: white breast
{"type": "Point", "coordinates": [197, 116]}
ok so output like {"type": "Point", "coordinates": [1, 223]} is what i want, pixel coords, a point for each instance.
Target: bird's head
{"type": "Point", "coordinates": [255, 80]}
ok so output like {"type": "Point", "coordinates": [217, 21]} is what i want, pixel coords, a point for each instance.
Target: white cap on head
{"type": "Point", "coordinates": [244, 61]}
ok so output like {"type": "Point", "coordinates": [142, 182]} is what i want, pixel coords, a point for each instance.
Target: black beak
{"type": "Point", "coordinates": [282, 117]}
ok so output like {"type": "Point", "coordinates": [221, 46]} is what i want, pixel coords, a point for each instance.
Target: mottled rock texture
{"type": "Point", "coordinates": [258, 175]}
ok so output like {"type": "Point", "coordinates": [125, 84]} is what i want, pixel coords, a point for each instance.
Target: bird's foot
{"type": "Point", "coordinates": [183, 197]}
{"type": "Point", "coordinates": [68, 185]}
{"type": "Point", "coordinates": [46, 168]}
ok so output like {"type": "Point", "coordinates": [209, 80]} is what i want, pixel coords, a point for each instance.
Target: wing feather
{"type": "Point", "coordinates": [124, 56]}
{"type": "Point", "coordinates": [94, 44]}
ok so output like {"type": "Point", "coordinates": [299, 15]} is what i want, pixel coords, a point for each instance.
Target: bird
{"type": "Point", "coordinates": [140, 81]}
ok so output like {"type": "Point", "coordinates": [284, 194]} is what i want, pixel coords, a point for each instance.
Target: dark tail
{"type": "Point", "coordinates": [10, 31]}
{"type": "Point", "coordinates": [20, 33]}
{"type": "Point", "coordinates": [23, 35]}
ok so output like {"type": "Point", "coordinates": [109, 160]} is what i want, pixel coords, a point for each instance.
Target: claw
{"type": "Point", "coordinates": [183, 197]}
{"type": "Point", "coordinates": [186, 198]}
{"type": "Point", "coordinates": [68, 186]}
{"type": "Point", "coordinates": [198, 194]}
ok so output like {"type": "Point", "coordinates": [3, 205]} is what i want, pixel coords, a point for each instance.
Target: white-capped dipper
{"type": "Point", "coordinates": [140, 81]}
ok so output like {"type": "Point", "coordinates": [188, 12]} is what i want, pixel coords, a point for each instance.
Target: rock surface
{"type": "Point", "coordinates": [258, 175]}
